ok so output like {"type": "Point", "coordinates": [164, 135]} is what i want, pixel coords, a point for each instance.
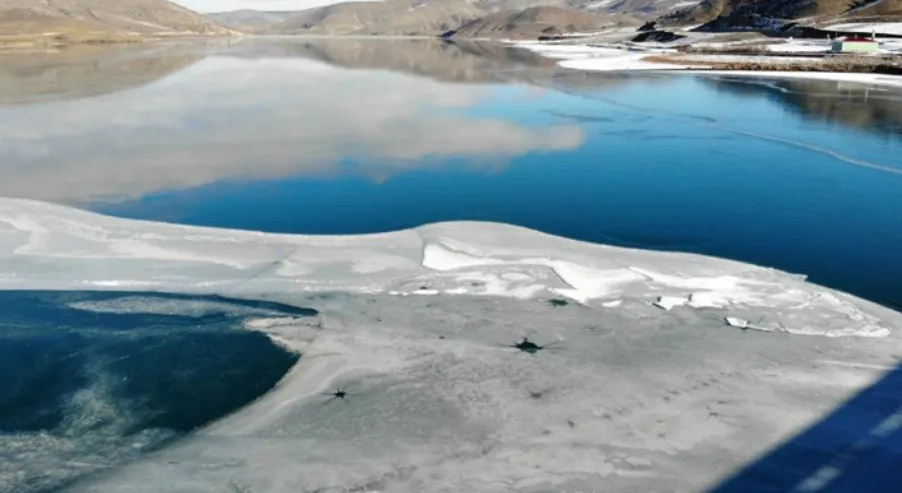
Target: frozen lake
{"type": "Point", "coordinates": [653, 372]}
{"type": "Point", "coordinates": [354, 136]}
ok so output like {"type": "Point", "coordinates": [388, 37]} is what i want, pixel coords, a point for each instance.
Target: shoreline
{"type": "Point", "coordinates": [607, 59]}
{"type": "Point", "coordinates": [20, 43]}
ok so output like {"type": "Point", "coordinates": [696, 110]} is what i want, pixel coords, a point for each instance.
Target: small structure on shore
{"type": "Point", "coordinates": [855, 45]}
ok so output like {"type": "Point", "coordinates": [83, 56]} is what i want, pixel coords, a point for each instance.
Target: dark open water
{"type": "Point", "coordinates": [92, 380]}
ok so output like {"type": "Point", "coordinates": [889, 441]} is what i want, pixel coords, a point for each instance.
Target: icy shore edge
{"type": "Point", "coordinates": [46, 246]}
{"type": "Point", "coordinates": [598, 59]}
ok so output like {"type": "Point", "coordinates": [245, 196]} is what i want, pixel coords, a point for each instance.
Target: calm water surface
{"type": "Point", "coordinates": [352, 136]}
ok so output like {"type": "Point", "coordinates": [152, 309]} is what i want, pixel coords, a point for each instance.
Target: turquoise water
{"type": "Point", "coordinates": [345, 137]}
{"type": "Point", "coordinates": [93, 380]}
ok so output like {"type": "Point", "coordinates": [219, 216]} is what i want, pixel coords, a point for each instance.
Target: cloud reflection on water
{"type": "Point", "coordinates": [229, 119]}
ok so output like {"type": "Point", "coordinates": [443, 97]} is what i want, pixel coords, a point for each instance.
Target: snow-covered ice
{"type": "Point", "coordinates": [582, 57]}
{"type": "Point", "coordinates": [868, 79]}
{"type": "Point", "coordinates": [669, 302]}
{"type": "Point", "coordinates": [597, 59]}
{"type": "Point", "coordinates": [50, 246]}
{"type": "Point", "coordinates": [441, 401]}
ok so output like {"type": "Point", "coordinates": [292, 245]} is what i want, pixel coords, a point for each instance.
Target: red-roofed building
{"type": "Point", "coordinates": [855, 45]}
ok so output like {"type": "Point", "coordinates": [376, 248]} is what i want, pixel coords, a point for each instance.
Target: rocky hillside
{"type": "Point", "coordinates": [433, 17]}
{"type": "Point", "coordinates": [411, 17]}
{"type": "Point", "coordinates": [764, 14]}
{"type": "Point", "coordinates": [531, 23]}
{"type": "Point", "coordinates": [250, 21]}
{"type": "Point", "coordinates": [88, 18]}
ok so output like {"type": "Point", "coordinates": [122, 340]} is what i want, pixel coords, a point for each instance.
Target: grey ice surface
{"type": "Point", "coordinates": [418, 326]}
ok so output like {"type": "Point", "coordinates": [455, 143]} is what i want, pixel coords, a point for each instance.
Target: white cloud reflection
{"type": "Point", "coordinates": [227, 118]}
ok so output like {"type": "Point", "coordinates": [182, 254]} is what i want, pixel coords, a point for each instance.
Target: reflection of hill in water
{"type": "Point", "coordinates": [456, 62]}
{"type": "Point", "coordinates": [448, 62]}
{"type": "Point", "coordinates": [842, 103]}
{"type": "Point", "coordinates": [86, 71]}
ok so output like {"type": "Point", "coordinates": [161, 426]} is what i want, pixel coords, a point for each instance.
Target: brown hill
{"type": "Point", "coordinates": [100, 19]}
{"type": "Point", "coordinates": [249, 21]}
{"type": "Point", "coordinates": [408, 17]}
{"type": "Point", "coordinates": [531, 23]}
{"type": "Point", "coordinates": [433, 17]}
{"type": "Point", "coordinates": [764, 14]}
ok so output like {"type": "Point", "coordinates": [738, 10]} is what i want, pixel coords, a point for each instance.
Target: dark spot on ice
{"type": "Point", "coordinates": [558, 302]}
{"type": "Point", "coordinates": [338, 394]}
{"type": "Point", "coordinates": [441, 337]}
{"type": "Point", "coordinates": [571, 423]}
{"type": "Point", "coordinates": [528, 346]}
{"type": "Point", "coordinates": [537, 394]}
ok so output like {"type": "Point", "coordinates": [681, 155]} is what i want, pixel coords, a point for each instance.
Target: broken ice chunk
{"type": "Point", "coordinates": [738, 322]}
{"type": "Point", "coordinates": [668, 302]}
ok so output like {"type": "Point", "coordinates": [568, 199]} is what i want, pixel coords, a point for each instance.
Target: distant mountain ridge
{"type": "Point", "coordinates": [434, 17]}
{"type": "Point", "coordinates": [91, 17]}
{"type": "Point", "coordinates": [532, 23]}
{"type": "Point", "coordinates": [406, 17]}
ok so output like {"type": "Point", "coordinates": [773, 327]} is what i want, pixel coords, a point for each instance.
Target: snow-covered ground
{"type": "Point", "coordinates": [800, 46]}
{"type": "Point", "coordinates": [868, 28]}
{"type": "Point", "coordinates": [582, 57]}
{"type": "Point", "coordinates": [653, 383]}
{"type": "Point", "coordinates": [609, 59]}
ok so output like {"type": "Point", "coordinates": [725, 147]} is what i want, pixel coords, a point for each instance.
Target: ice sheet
{"type": "Point", "coordinates": [51, 246]}
{"type": "Point", "coordinates": [624, 397]}
{"type": "Point", "coordinates": [628, 399]}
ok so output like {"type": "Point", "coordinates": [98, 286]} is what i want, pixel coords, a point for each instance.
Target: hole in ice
{"type": "Point", "coordinates": [91, 380]}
